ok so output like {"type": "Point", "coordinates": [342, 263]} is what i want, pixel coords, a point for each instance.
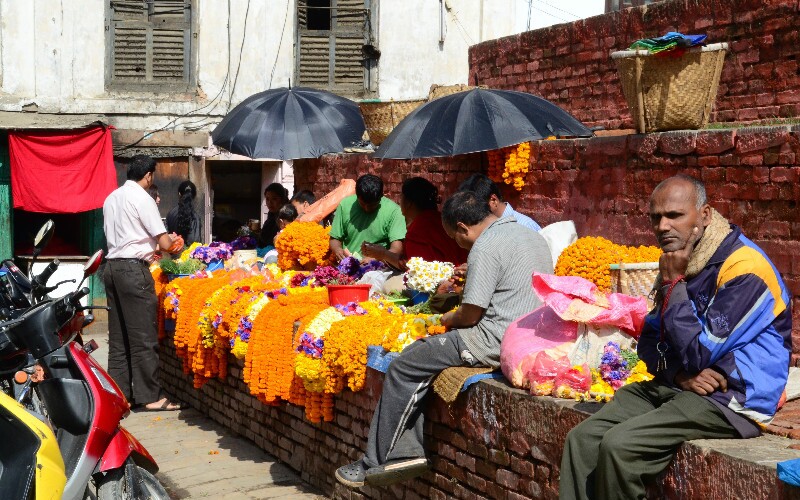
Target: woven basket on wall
{"type": "Point", "coordinates": [634, 279]}
{"type": "Point", "coordinates": [438, 91]}
{"type": "Point", "coordinates": [380, 117]}
{"type": "Point", "coordinates": [670, 93]}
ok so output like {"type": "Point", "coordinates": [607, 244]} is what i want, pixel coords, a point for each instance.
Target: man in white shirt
{"type": "Point", "coordinates": [134, 231]}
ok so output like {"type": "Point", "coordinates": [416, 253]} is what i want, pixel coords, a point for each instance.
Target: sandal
{"type": "Point", "coordinates": [395, 471]}
{"type": "Point", "coordinates": [166, 405]}
{"type": "Point", "coordinates": [352, 475]}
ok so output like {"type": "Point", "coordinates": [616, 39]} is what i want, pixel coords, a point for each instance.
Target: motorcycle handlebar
{"type": "Point", "coordinates": [78, 295]}
{"type": "Point", "coordinates": [44, 276]}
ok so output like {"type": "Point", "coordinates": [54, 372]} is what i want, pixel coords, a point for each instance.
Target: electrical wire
{"type": "Point", "coordinates": [462, 30]}
{"type": "Point", "coordinates": [241, 50]}
{"type": "Point", "coordinates": [551, 14]}
{"type": "Point", "coordinates": [562, 10]}
{"type": "Point", "coordinates": [280, 42]}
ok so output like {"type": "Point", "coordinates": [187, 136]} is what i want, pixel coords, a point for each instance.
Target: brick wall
{"type": "Point", "coordinates": [494, 442]}
{"type": "Point", "coordinates": [569, 64]}
{"type": "Point", "coordinates": [603, 184]}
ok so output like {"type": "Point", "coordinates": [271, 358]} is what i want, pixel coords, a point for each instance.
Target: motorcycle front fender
{"type": "Point", "coordinates": [122, 446]}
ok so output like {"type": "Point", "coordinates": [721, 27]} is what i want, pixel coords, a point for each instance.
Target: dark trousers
{"type": "Point", "coordinates": [633, 438]}
{"type": "Point", "coordinates": [396, 428]}
{"type": "Point", "coordinates": [132, 330]}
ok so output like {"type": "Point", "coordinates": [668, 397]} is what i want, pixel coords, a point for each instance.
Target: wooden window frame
{"type": "Point", "coordinates": [337, 33]}
{"type": "Point", "coordinates": [186, 84]}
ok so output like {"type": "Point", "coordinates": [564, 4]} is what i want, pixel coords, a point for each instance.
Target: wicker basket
{"type": "Point", "coordinates": [634, 279]}
{"type": "Point", "coordinates": [438, 91]}
{"type": "Point", "coordinates": [670, 93]}
{"type": "Point", "coordinates": [380, 117]}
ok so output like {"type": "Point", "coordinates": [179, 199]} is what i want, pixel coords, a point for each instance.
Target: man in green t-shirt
{"type": "Point", "coordinates": [367, 217]}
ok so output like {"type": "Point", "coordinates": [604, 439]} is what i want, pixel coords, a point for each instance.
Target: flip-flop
{"type": "Point", "coordinates": [395, 471]}
{"type": "Point", "coordinates": [351, 475]}
{"type": "Point", "coordinates": [167, 405]}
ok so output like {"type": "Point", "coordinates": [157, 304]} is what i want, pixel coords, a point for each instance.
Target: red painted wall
{"type": "Point", "coordinates": [570, 64]}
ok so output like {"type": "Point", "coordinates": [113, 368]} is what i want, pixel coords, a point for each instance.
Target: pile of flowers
{"type": "Point", "coordinates": [356, 269]}
{"type": "Point", "coordinates": [589, 257]}
{"type": "Point", "coordinates": [618, 367]}
{"type": "Point", "coordinates": [217, 250]}
{"type": "Point", "coordinates": [510, 165]}
{"type": "Point", "coordinates": [246, 242]}
{"type": "Point", "coordinates": [303, 244]}
{"type": "Point", "coordinates": [425, 276]}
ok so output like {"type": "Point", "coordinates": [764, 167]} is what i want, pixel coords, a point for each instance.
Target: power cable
{"type": "Point", "coordinates": [280, 42]}
{"type": "Point", "coordinates": [562, 10]}
{"type": "Point", "coordinates": [241, 50]}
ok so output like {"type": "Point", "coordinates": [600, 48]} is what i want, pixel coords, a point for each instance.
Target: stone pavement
{"type": "Point", "coordinates": [199, 459]}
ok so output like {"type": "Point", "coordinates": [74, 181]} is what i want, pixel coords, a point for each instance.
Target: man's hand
{"type": "Point", "coordinates": [338, 250]}
{"type": "Point", "coordinates": [373, 251]}
{"type": "Point", "coordinates": [674, 264]}
{"type": "Point", "coordinates": [704, 383]}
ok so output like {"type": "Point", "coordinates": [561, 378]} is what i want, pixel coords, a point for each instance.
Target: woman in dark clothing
{"type": "Point", "coordinates": [183, 219]}
{"type": "Point", "coordinates": [275, 197]}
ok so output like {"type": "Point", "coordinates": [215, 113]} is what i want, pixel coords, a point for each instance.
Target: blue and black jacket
{"type": "Point", "coordinates": [735, 317]}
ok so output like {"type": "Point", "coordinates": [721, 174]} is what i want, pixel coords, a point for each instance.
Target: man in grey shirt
{"type": "Point", "coordinates": [488, 190]}
{"type": "Point", "coordinates": [502, 257]}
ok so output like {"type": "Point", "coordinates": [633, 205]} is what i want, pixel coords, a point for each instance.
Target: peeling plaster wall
{"type": "Point", "coordinates": [53, 54]}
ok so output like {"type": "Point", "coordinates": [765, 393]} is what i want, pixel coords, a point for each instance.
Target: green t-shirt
{"type": "Point", "coordinates": [352, 226]}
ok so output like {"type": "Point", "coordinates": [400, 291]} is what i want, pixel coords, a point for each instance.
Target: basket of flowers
{"type": "Point", "coordinates": [214, 255]}
{"type": "Point", "coordinates": [424, 276]}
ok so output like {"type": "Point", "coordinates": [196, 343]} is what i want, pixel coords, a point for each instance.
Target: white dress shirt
{"type": "Point", "coordinates": [131, 223]}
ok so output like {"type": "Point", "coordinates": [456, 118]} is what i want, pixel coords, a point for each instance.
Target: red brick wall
{"type": "Point", "coordinates": [570, 65]}
{"type": "Point", "coordinates": [752, 176]}
{"type": "Point", "coordinates": [494, 442]}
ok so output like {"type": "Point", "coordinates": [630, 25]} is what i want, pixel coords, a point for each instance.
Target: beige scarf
{"type": "Point", "coordinates": [705, 248]}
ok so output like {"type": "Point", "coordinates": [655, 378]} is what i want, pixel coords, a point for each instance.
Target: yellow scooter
{"type": "Point", "coordinates": [29, 455]}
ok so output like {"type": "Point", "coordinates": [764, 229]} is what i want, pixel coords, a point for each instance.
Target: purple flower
{"type": "Point", "coordinates": [351, 309]}
{"type": "Point", "coordinates": [243, 243]}
{"type": "Point", "coordinates": [311, 346]}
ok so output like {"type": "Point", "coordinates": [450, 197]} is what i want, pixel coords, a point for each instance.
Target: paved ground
{"type": "Point", "coordinates": [200, 459]}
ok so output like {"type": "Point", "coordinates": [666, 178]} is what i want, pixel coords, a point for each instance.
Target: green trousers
{"type": "Point", "coordinates": [633, 438]}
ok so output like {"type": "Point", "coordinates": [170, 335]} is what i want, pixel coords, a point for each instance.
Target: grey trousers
{"type": "Point", "coordinates": [633, 438]}
{"type": "Point", "coordinates": [396, 428]}
{"type": "Point", "coordinates": [132, 330]}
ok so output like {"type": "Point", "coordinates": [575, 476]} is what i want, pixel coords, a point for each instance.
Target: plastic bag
{"type": "Point", "coordinates": [588, 347]}
{"type": "Point", "coordinates": [559, 235]}
{"type": "Point", "coordinates": [542, 375]}
{"type": "Point", "coordinates": [574, 382]}
{"type": "Point", "coordinates": [789, 471]}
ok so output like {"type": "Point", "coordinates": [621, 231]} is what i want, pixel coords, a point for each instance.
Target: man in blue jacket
{"type": "Point", "coordinates": [718, 342]}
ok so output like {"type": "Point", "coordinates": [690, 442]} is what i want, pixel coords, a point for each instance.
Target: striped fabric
{"type": "Point", "coordinates": [733, 316]}
{"type": "Point", "coordinates": [500, 266]}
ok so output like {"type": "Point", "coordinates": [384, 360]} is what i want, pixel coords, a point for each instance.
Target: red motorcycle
{"type": "Point", "coordinates": [82, 403]}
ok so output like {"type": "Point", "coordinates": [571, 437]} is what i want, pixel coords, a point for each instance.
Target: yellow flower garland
{"type": "Point", "coordinates": [510, 165]}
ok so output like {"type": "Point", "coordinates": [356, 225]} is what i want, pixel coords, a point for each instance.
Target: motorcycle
{"type": "Point", "coordinates": [77, 398]}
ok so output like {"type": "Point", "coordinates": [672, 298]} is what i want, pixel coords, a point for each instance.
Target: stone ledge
{"type": "Point", "coordinates": [493, 442]}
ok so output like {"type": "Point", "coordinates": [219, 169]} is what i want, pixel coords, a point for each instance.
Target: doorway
{"type": "Point", "coordinates": [235, 196]}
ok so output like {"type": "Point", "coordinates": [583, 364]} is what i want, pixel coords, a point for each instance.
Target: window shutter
{"type": "Point", "coordinates": [314, 60]}
{"type": "Point", "coordinates": [151, 42]}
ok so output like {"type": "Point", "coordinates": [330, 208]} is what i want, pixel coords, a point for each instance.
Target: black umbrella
{"type": "Point", "coordinates": [290, 123]}
{"type": "Point", "coordinates": [477, 120]}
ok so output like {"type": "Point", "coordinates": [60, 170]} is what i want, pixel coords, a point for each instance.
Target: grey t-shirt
{"type": "Point", "coordinates": [499, 270]}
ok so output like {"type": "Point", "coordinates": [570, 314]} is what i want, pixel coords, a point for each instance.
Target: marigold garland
{"type": "Point", "coordinates": [589, 257]}
{"type": "Point", "coordinates": [510, 165]}
{"type": "Point", "coordinates": [303, 244]}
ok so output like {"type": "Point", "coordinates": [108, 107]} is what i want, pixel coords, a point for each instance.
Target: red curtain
{"type": "Point", "coordinates": [63, 171]}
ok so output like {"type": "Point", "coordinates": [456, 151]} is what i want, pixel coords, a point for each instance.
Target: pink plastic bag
{"type": "Point", "coordinates": [542, 375]}
{"type": "Point", "coordinates": [578, 299]}
{"type": "Point", "coordinates": [573, 381]}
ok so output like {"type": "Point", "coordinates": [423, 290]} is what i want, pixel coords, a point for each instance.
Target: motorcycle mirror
{"type": "Point", "coordinates": [91, 266]}
{"type": "Point", "coordinates": [43, 237]}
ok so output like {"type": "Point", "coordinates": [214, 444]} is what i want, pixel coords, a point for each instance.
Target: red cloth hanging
{"type": "Point", "coordinates": [61, 171]}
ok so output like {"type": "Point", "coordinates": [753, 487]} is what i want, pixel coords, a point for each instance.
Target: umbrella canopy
{"type": "Point", "coordinates": [477, 120]}
{"type": "Point", "coordinates": [290, 123]}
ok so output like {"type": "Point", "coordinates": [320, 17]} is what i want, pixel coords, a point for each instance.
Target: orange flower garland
{"type": "Point", "coordinates": [303, 244]}
{"type": "Point", "coordinates": [590, 256]}
{"type": "Point", "coordinates": [161, 282]}
{"type": "Point", "coordinates": [510, 165]}
{"type": "Point", "coordinates": [269, 363]}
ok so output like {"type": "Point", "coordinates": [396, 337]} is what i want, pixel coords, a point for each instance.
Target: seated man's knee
{"type": "Point", "coordinates": [614, 442]}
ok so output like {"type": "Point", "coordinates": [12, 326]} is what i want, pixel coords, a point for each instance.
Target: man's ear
{"type": "Point", "coordinates": [705, 215]}
{"type": "Point", "coordinates": [462, 228]}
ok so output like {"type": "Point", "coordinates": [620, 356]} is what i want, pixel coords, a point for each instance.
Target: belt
{"type": "Point", "coordinates": [138, 261]}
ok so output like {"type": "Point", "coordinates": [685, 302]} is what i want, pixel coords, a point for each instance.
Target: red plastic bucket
{"type": "Point", "coordinates": [339, 295]}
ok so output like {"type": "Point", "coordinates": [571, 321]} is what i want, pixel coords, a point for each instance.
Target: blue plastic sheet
{"type": "Point", "coordinates": [789, 471]}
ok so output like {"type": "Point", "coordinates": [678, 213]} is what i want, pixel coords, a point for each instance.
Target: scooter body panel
{"type": "Point", "coordinates": [122, 446]}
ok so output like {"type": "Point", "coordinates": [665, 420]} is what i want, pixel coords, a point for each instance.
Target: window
{"type": "Point", "coordinates": [614, 5]}
{"type": "Point", "coordinates": [331, 38]}
{"type": "Point", "coordinates": [150, 44]}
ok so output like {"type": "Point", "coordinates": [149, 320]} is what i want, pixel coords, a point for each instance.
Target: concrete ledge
{"type": "Point", "coordinates": [493, 442]}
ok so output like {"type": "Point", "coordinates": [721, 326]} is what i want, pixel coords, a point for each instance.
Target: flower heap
{"type": "Point", "coordinates": [425, 276]}
{"type": "Point", "coordinates": [215, 251]}
{"type": "Point", "coordinates": [415, 327]}
{"type": "Point", "coordinates": [589, 257]}
{"type": "Point", "coordinates": [510, 165]}
{"type": "Point", "coordinates": [161, 281]}
{"type": "Point", "coordinates": [246, 242]}
{"type": "Point", "coordinates": [618, 367]}
{"type": "Point", "coordinates": [356, 269]}
{"type": "Point", "coordinates": [303, 244]}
